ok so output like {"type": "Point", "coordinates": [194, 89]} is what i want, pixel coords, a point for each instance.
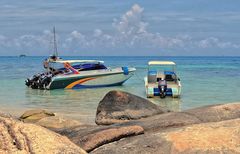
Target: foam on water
{"type": "Point", "coordinates": [205, 80]}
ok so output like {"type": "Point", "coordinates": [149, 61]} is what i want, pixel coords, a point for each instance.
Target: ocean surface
{"type": "Point", "coordinates": [205, 81]}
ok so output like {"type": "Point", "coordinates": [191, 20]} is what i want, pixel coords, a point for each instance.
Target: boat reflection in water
{"type": "Point", "coordinates": [173, 104]}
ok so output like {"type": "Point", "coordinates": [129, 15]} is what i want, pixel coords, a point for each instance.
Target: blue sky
{"type": "Point", "coordinates": [119, 28]}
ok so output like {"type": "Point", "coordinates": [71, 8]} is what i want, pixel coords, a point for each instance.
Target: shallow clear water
{"type": "Point", "coordinates": [205, 80]}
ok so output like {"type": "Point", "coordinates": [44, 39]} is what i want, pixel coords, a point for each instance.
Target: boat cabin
{"type": "Point", "coordinates": [75, 66]}
{"type": "Point", "coordinates": [161, 70]}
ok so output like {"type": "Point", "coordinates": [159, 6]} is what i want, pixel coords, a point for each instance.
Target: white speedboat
{"type": "Point", "coordinates": [162, 79]}
{"type": "Point", "coordinates": [79, 74]}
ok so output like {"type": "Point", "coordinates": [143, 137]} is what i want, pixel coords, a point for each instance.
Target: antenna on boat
{"type": "Point", "coordinates": [54, 43]}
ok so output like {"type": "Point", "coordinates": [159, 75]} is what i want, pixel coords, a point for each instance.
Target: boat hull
{"type": "Point", "coordinates": [90, 81]}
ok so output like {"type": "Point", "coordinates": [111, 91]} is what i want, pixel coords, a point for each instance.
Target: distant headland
{"type": "Point", "coordinates": [22, 55]}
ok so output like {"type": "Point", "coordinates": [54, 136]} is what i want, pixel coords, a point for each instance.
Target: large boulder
{"type": "Point", "coordinates": [35, 115]}
{"type": "Point", "coordinates": [118, 106]}
{"type": "Point", "coordinates": [213, 137]}
{"type": "Point", "coordinates": [19, 137]}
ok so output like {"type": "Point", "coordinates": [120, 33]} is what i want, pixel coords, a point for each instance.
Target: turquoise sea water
{"type": "Point", "coordinates": [205, 80]}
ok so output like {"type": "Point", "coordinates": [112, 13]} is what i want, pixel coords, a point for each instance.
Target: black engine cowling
{"type": "Point", "coordinates": [162, 86]}
{"type": "Point", "coordinates": [39, 81]}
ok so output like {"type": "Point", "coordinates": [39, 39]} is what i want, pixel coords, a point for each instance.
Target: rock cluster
{"type": "Point", "coordinates": [126, 123]}
{"type": "Point", "coordinates": [197, 130]}
{"type": "Point", "coordinates": [19, 137]}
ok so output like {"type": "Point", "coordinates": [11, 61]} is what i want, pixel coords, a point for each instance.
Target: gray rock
{"type": "Point", "coordinates": [211, 113]}
{"type": "Point", "coordinates": [153, 126]}
{"type": "Point", "coordinates": [214, 137]}
{"type": "Point", "coordinates": [35, 115]}
{"type": "Point", "coordinates": [118, 106]}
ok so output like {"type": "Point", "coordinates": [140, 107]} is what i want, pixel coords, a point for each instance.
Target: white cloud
{"type": "Point", "coordinates": [75, 41]}
{"type": "Point", "coordinates": [76, 37]}
{"type": "Point", "coordinates": [131, 22]}
{"type": "Point", "coordinates": [213, 42]}
{"type": "Point", "coordinates": [97, 32]}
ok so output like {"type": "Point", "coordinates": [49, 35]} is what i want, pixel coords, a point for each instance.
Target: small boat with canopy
{"type": "Point", "coordinates": [162, 79]}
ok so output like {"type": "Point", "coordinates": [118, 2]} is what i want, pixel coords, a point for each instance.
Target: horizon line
{"type": "Point", "coordinates": [129, 56]}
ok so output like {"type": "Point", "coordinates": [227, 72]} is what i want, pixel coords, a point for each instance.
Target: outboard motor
{"type": "Point", "coordinates": [28, 82]}
{"type": "Point", "coordinates": [35, 84]}
{"type": "Point", "coordinates": [45, 80]}
{"type": "Point", "coordinates": [32, 80]}
{"type": "Point", "coordinates": [162, 86]}
{"type": "Point", "coordinates": [39, 81]}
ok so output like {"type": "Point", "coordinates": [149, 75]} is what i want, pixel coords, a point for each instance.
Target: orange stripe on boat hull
{"type": "Point", "coordinates": [70, 86]}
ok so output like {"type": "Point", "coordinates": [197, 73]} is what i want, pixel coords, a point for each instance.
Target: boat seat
{"type": "Point", "coordinates": [170, 76]}
{"type": "Point", "coordinates": [152, 76]}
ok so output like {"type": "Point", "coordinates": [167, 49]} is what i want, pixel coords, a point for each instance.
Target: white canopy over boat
{"type": "Point", "coordinates": [78, 61]}
{"type": "Point", "coordinates": [161, 63]}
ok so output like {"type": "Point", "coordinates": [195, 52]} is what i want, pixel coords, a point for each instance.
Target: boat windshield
{"type": "Point", "coordinates": [162, 68]}
{"type": "Point", "coordinates": [81, 66]}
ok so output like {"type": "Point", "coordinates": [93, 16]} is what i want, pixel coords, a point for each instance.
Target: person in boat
{"type": "Point", "coordinates": [47, 66]}
{"type": "Point", "coordinates": [70, 68]}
